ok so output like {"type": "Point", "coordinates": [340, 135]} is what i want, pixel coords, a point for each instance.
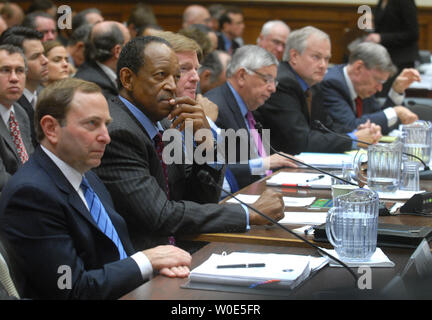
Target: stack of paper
{"type": "Point", "coordinates": [280, 270]}
{"type": "Point", "coordinates": [305, 218]}
{"type": "Point", "coordinates": [288, 201]}
{"type": "Point", "coordinates": [378, 259]}
{"type": "Point", "coordinates": [325, 160]}
{"type": "Point", "coordinates": [300, 179]}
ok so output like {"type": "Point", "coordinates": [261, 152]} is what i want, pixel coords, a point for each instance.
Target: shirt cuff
{"type": "Point", "coordinates": [391, 116]}
{"type": "Point", "coordinates": [144, 264]}
{"type": "Point", "coordinates": [397, 98]}
{"type": "Point", "coordinates": [256, 166]}
{"type": "Point", "coordinates": [354, 139]}
{"type": "Point", "coordinates": [246, 209]}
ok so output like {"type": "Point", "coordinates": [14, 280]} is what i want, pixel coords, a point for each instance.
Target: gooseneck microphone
{"type": "Point", "coordinates": [426, 174]}
{"type": "Point", "coordinates": [206, 178]}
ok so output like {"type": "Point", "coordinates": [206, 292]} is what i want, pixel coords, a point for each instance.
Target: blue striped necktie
{"type": "Point", "coordinates": [101, 217]}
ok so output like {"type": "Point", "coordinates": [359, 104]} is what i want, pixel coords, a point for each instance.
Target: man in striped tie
{"type": "Point", "coordinates": [15, 133]}
{"type": "Point", "coordinates": [69, 241]}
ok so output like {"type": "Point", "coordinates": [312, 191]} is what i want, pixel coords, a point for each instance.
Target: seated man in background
{"type": "Point", "coordinates": [157, 199]}
{"type": "Point", "coordinates": [212, 70]}
{"type": "Point", "coordinates": [273, 37]}
{"type": "Point", "coordinates": [251, 80]}
{"type": "Point", "coordinates": [58, 217]}
{"type": "Point", "coordinates": [349, 90]}
{"type": "Point", "coordinates": [292, 110]}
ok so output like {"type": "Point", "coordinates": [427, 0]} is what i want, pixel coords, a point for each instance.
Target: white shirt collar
{"type": "Point", "coordinates": [29, 95]}
{"type": "Point", "coordinates": [72, 175]}
{"type": "Point", "coordinates": [109, 72]}
{"type": "Point", "coordinates": [351, 89]}
{"type": "Point", "coordinates": [5, 114]}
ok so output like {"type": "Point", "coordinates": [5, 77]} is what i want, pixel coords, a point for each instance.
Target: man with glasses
{"type": "Point", "coordinates": [292, 110]}
{"type": "Point", "coordinates": [273, 37]}
{"type": "Point", "coordinates": [251, 80]}
{"type": "Point", "coordinates": [349, 90]}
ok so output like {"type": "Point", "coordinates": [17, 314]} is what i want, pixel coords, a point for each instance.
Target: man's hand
{"type": "Point", "coordinates": [169, 260]}
{"type": "Point", "coordinates": [269, 203]}
{"type": "Point", "coordinates": [373, 37]}
{"type": "Point", "coordinates": [277, 161]}
{"type": "Point", "coordinates": [370, 134]}
{"type": "Point", "coordinates": [210, 108]}
{"type": "Point", "coordinates": [405, 115]}
{"type": "Point", "coordinates": [404, 80]}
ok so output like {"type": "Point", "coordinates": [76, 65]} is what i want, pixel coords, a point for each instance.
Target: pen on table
{"type": "Point", "coordinates": [242, 265]}
{"type": "Point", "coordinates": [309, 230]}
{"type": "Point", "coordinates": [316, 178]}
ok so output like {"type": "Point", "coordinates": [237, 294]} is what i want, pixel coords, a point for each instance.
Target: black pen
{"type": "Point", "coordinates": [316, 178]}
{"type": "Point", "coordinates": [243, 265]}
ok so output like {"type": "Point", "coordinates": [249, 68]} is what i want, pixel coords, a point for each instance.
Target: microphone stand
{"type": "Point", "coordinates": [206, 178]}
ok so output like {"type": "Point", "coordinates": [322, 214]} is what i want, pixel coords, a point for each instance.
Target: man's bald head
{"type": "Point", "coordinates": [196, 14]}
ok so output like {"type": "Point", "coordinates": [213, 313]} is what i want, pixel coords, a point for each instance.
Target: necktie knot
{"type": "Point", "coordinates": [85, 184]}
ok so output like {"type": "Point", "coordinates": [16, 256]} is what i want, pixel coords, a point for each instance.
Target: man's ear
{"type": "Point", "coordinates": [293, 54]}
{"type": "Point", "coordinates": [241, 76]}
{"type": "Point", "coordinates": [205, 75]}
{"type": "Point", "coordinates": [126, 78]}
{"type": "Point", "coordinates": [51, 128]}
{"type": "Point", "coordinates": [116, 51]}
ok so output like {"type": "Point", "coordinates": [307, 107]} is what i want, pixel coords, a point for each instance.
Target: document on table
{"type": "Point", "coordinates": [304, 218]}
{"type": "Point", "coordinates": [289, 201]}
{"type": "Point", "coordinates": [325, 160]}
{"type": "Point", "coordinates": [378, 259]}
{"type": "Point", "coordinates": [277, 271]}
{"type": "Point", "coordinates": [300, 179]}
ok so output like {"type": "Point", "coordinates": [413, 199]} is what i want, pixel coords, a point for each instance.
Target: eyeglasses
{"type": "Point", "coordinates": [267, 78]}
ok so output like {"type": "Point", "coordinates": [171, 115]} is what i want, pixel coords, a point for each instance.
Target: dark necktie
{"type": "Point", "coordinates": [159, 150]}
{"type": "Point", "coordinates": [101, 217]}
{"type": "Point", "coordinates": [359, 106]}
{"type": "Point", "coordinates": [16, 138]}
{"type": "Point", "coordinates": [308, 94]}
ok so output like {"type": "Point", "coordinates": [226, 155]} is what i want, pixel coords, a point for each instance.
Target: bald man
{"type": "Point", "coordinates": [196, 14]}
{"type": "Point", "coordinates": [107, 39]}
{"type": "Point", "coordinates": [273, 37]}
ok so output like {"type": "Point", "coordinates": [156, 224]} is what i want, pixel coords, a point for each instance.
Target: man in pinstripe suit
{"type": "Point", "coordinates": [153, 207]}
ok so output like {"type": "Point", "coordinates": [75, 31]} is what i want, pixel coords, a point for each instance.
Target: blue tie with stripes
{"type": "Point", "coordinates": [101, 217]}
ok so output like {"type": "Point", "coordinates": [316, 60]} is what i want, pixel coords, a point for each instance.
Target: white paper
{"type": "Point", "coordinates": [289, 201]}
{"type": "Point", "coordinates": [306, 217]}
{"type": "Point", "coordinates": [300, 179]}
{"type": "Point", "coordinates": [291, 270]}
{"type": "Point", "coordinates": [378, 259]}
{"type": "Point", "coordinates": [325, 160]}
{"type": "Point", "coordinates": [398, 194]}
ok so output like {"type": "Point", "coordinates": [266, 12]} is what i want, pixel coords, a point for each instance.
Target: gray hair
{"type": "Point", "coordinates": [374, 56]}
{"type": "Point", "coordinates": [11, 49]}
{"type": "Point", "coordinates": [298, 38]}
{"type": "Point", "coordinates": [268, 26]}
{"type": "Point", "coordinates": [250, 57]}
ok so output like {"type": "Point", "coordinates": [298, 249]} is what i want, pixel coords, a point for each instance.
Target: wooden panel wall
{"type": "Point", "coordinates": [335, 19]}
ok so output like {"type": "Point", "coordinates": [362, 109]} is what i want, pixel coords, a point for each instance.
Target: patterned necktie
{"type": "Point", "coordinates": [101, 217]}
{"type": "Point", "coordinates": [16, 138]}
{"type": "Point", "coordinates": [254, 133]}
{"type": "Point", "coordinates": [359, 106]}
{"type": "Point", "coordinates": [159, 150]}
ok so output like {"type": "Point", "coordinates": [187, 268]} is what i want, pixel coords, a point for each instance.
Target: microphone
{"type": "Point", "coordinates": [206, 178]}
{"type": "Point", "coordinates": [426, 174]}
{"type": "Point", "coordinates": [259, 127]}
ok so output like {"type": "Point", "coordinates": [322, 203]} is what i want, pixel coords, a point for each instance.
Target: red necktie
{"type": "Point", "coordinates": [16, 138]}
{"type": "Point", "coordinates": [159, 151]}
{"type": "Point", "coordinates": [359, 106]}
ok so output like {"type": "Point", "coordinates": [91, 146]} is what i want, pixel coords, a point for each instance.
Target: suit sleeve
{"type": "Point", "coordinates": [45, 250]}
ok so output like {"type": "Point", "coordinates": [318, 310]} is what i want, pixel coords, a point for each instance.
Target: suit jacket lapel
{"type": "Point", "coordinates": [233, 106]}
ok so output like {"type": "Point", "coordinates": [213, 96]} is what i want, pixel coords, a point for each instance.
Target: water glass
{"type": "Point", "coordinates": [416, 138]}
{"type": "Point", "coordinates": [410, 176]}
{"type": "Point", "coordinates": [352, 225]}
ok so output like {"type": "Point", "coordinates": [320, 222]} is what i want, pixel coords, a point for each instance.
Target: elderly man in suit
{"type": "Point", "coordinates": [158, 199]}
{"type": "Point", "coordinates": [30, 41]}
{"type": "Point", "coordinates": [251, 80]}
{"type": "Point", "coordinates": [68, 240]}
{"type": "Point", "coordinates": [105, 42]}
{"type": "Point", "coordinates": [349, 90]}
{"type": "Point", "coordinates": [15, 136]}
{"type": "Point", "coordinates": [291, 111]}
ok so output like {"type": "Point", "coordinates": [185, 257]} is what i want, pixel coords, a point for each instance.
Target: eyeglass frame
{"type": "Point", "coordinates": [266, 78]}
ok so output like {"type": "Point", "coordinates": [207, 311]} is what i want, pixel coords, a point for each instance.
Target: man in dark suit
{"type": "Point", "coordinates": [291, 111]}
{"type": "Point", "coordinates": [251, 80]}
{"type": "Point", "coordinates": [349, 90]}
{"type": "Point", "coordinates": [15, 134]}
{"type": "Point", "coordinates": [231, 27]}
{"type": "Point", "coordinates": [51, 211]}
{"type": "Point", "coordinates": [155, 198]}
{"type": "Point", "coordinates": [102, 52]}
{"type": "Point", "coordinates": [30, 41]}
